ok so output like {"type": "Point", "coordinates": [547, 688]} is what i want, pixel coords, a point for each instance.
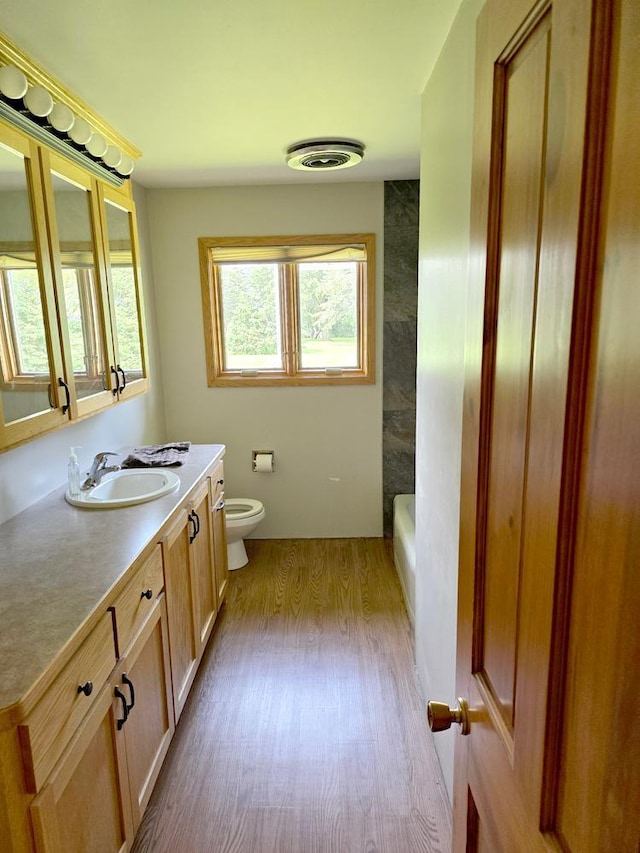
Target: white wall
{"type": "Point", "coordinates": [29, 472]}
{"type": "Point", "coordinates": [447, 127]}
{"type": "Point", "coordinates": [319, 433]}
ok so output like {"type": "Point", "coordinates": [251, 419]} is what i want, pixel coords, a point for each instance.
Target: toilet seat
{"type": "Point", "coordinates": [240, 509]}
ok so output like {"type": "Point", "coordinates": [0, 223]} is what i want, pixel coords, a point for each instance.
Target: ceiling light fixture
{"type": "Point", "coordinates": [32, 109]}
{"type": "Point", "coordinates": [314, 155]}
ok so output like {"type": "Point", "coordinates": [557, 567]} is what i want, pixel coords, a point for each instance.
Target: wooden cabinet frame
{"type": "Point", "coordinates": [54, 163]}
{"type": "Point", "coordinates": [121, 199]}
{"type": "Point", "coordinates": [40, 161]}
{"type": "Point", "coordinates": [24, 429]}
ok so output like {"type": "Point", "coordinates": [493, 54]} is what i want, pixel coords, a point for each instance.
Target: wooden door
{"type": "Point", "coordinates": [549, 582]}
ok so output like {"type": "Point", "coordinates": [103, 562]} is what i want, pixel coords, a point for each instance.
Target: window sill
{"type": "Point", "coordinates": [236, 380]}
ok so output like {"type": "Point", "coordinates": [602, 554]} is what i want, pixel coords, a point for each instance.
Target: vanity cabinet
{"type": "Point", "coordinates": [81, 751]}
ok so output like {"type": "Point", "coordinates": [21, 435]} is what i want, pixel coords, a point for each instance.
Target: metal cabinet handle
{"type": "Point", "coordinates": [124, 379]}
{"type": "Point", "coordinates": [220, 483]}
{"type": "Point", "coordinates": [220, 506]}
{"type": "Point", "coordinates": [64, 385]}
{"type": "Point", "coordinates": [146, 593]}
{"type": "Point", "coordinates": [125, 708]}
{"type": "Point", "coordinates": [197, 518]}
{"type": "Point", "coordinates": [193, 535]}
{"type": "Point", "coordinates": [440, 716]}
{"type": "Point", "coordinates": [129, 684]}
{"type": "Point", "coordinates": [115, 390]}
{"type": "Point", "coordinates": [86, 688]}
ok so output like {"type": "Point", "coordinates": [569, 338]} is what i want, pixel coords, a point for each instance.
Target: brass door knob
{"type": "Point", "coordinates": [441, 716]}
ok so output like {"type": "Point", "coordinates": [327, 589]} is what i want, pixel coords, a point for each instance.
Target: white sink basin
{"type": "Point", "coordinates": [127, 488]}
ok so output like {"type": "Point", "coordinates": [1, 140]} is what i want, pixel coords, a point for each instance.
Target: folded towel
{"type": "Point", "coordinates": [157, 454]}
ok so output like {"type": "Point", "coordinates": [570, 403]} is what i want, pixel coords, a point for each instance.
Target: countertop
{"type": "Point", "coordinates": [58, 564]}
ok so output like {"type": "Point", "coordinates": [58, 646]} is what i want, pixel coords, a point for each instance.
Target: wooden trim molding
{"type": "Point", "coordinates": [291, 372]}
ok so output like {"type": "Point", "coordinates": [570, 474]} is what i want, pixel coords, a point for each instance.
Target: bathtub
{"type": "Point", "coordinates": [404, 547]}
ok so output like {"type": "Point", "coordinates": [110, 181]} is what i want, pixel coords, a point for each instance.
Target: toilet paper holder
{"type": "Point", "coordinates": [259, 462]}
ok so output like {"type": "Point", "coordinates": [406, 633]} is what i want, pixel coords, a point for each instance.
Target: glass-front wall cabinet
{"type": "Point", "coordinates": [72, 338]}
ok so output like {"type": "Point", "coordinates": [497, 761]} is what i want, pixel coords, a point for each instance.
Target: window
{"type": "Point", "coordinates": [289, 310]}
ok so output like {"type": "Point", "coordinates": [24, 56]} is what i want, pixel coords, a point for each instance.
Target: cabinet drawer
{"type": "Point", "coordinates": [136, 601]}
{"type": "Point", "coordinates": [48, 728]}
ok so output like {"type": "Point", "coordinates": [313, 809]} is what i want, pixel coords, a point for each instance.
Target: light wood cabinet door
{"type": "Point", "coordinates": [179, 584]}
{"type": "Point", "coordinates": [201, 557]}
{"type": "Point", "coordinates": [85, 804]}
{"type": "Point", "coordinates": [143, 676]}
{"type": "Point", "coordinates": [195, 559]}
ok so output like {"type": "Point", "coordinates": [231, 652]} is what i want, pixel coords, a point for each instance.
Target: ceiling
{"type": "Point", "coordinates": [214, 91]}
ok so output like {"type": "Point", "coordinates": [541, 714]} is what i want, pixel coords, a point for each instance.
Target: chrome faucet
{"type": "Point", "coordinates": [98, 469]}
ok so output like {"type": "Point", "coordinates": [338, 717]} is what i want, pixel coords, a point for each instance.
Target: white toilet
{"type": "Point", "coordinates": [242, 517]}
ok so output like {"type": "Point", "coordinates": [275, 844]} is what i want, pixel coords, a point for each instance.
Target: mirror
{"type": "Point", "coordinates": [25, 362]}
{"type": "Point", "coordinates": [124, 292]}
{"type": "Point", "coordinates": [82, 304]}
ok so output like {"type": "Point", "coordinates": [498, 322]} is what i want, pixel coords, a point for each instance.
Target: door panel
{"type": "Point", "coordinates": [523, 145]}
{"type": "Point", "coordinates": [541, 75]}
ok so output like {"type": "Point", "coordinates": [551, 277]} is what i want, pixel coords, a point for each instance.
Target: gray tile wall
{"type": "Point", "coordinates": [401, 207]}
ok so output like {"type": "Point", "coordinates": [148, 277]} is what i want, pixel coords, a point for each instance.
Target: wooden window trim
{"type": "Point", "coordinates": [291, 374]}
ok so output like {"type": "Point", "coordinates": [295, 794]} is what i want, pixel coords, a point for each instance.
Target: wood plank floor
{"type": "Point", "coordinates": [304, 731]}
